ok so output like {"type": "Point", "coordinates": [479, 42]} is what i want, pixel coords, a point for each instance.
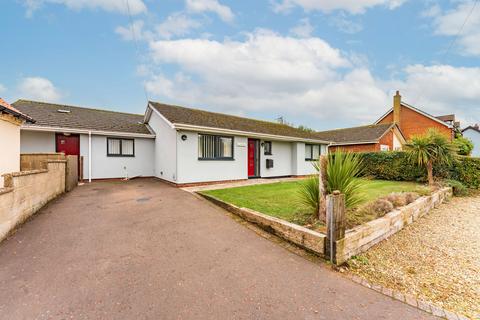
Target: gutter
{"type": "Point", "coordinates": [86, 131]}
{"type": "Point", "coordinates": [189, 127]}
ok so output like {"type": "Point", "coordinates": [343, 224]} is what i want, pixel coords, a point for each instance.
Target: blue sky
{"type": "Point", "coordinates": [321, 63]}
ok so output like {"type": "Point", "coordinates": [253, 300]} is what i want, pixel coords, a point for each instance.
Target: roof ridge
{"type": "Point", "coordinates": [77, 107]}
{"type": "Point", "coordinates": [357, 127]}
{"type": "Point", "coordinates": [223, 114]}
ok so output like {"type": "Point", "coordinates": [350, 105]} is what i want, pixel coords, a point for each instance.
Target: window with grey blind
{"type": "Point", "coordinates": [212, 147]}
{"type": "Point", "coordinates": [117, 147]}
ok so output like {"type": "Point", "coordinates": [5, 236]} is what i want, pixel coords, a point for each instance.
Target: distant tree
{"type": "Point", "coordinates": [306, 129]}
{"type": "Point", "coordinates": [464, 145]}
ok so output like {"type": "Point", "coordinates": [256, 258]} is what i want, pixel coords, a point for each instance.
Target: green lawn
{"type": "Point", "coordinates": [282, 199]}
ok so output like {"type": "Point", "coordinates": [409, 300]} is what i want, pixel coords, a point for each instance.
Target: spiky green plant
{"type": "Point", "coordinates": [342, 170]}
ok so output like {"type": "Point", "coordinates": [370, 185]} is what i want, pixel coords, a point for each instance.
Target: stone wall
{"type": "Point", "coordinates": [361, 238]}
{"type": "Point", "coordinates": [306, 238]}
{"type": "Point", "coordinates": [24, 193]}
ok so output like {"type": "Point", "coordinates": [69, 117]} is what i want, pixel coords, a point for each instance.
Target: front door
{"type": "Point", "coordinates": [253, 158]}
{"type": "Point", "coordinates": [70, 145]}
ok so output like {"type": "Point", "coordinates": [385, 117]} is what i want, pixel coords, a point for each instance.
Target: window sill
{"type": "Point", "coordinates": [216, 159]}
{"type": "Point", "coordinates": [120, 156]}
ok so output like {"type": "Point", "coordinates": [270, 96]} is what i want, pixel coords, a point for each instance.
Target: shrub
{"type": "Point", "coordinates": [378, 208]}
{"type": "Point", "coordinates": [310, 193]}
{"type": "Point", "coordinates": [394, 165]}
{"type": "Point", "coordinates": [459, 189]}
{"type": "Point", "coordinates": [411, 197]}
{"type": "Point", "coordinates": [398, 199]}
{"type": "Point", "coordinates": [464, 145]}
{"type": "Point", "coordinates": [342, 170]}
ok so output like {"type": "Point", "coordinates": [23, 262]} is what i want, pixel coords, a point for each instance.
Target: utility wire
{"type": "Point", "coordinates": [455, 38]}
{"type": "Point", "coordinates": [135, 40]}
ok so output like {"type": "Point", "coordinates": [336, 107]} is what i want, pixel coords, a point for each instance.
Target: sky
{"type": "Point", "coordinates": [323, 64]}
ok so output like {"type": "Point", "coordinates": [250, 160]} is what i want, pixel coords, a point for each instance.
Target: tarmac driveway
{"type": "Point", "coordinates": [145, 250]}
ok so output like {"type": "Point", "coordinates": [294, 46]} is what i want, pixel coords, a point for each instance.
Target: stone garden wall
{"type": "Point", "coordinates": [25, 192]}
{"type": "Point", "coordinates": [361, 238]}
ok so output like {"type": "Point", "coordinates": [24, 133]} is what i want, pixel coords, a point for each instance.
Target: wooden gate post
{"type": "Point", "coordinates": [336, 223]}
{"type": "Point", "coordinates": [322, 183]}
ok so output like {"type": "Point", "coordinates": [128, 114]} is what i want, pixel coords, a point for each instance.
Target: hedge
{"type": "Point", "coordinates": [394, 165]}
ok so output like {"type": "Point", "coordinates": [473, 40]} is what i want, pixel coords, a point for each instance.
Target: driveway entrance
{"type": "Point", "coordinates": [145, 250]}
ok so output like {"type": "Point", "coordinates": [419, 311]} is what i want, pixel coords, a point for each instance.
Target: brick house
{"type": "Point", "coordinates": [413, 121]}
{"type": "Point", "coordinates": [398, 125]}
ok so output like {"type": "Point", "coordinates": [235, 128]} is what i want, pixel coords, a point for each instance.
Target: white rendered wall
{"type": "Point", "coordinates": [282, 160]}
{"type": "Point", "coordinates": [165, 158]}
{"type": "Point", "coordinates": [37, 142]}
{"type": "Point", "coordinates": [475, 137]}
{"type": "Point", "coordinates": [104, 167]}
{"type": "Point", "coordinates": [191, 170]}
{"type": "Point", "coordinates": [9, 148]}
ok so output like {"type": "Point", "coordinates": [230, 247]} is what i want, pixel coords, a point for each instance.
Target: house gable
{"type": "Point", "coordinates": [414, 122]}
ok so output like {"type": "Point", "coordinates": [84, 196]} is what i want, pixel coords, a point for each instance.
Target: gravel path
{"type": "Point", "coordinates": [436, 259]}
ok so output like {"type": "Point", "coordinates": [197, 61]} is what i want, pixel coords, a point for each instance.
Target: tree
{"type": "Point", "coordinates": [464, 145]}
{"type": "Point", "coordinates": [430, 149]}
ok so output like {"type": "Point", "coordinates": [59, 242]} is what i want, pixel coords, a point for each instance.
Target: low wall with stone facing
{"type": "Point", "coordinates": [25, 192]}
{"type": "Point", "coordinates": [361, 238]}
{"type": "Point", "coordinates": [306, 238]}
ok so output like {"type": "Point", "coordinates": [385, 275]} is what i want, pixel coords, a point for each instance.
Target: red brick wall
{"type": "Point", "coordinates": [413, 123]}
{"type": "Point", "coordinates": [356, 148]}
{"type": "Point", "coordinates": [387, 140]}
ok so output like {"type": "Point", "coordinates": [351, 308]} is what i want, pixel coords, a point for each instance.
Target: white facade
{"type": "Point", "coordinates": [103, 166]}
{"type": "Point", "coordinates": [473, 135]}
{"type": "Point", "coordinates": [10, 148]}
{"type": "Point", "coordinates": [177, 156]}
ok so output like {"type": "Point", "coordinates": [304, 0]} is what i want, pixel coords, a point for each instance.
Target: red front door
{"type": "Point", "coordinates": [70, 145]}
{"type": "Point", "coordinates": [252, 158]}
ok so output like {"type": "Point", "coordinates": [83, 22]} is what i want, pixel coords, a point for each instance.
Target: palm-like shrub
{"type": "Point", "coordinates": [342, 172]}
{"type": "Point", "coordinates": [430, 149]}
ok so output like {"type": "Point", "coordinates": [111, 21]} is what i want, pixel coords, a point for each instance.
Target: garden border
{"type": "Point", "coordinates": [301, 236]}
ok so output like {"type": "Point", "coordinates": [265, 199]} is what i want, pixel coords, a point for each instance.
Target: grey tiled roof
{"type": "Point", "coordinates": [196, 117]}
{"type": "Point", "coordinates": [356, 134]}
{"type": "Point", "coordinates": [48, 115]}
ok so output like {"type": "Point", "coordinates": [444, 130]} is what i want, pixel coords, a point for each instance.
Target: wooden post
{"type": "Point", "coordinates": [322, 182]}
{"type": "Point", "coordinates": [336, 222]}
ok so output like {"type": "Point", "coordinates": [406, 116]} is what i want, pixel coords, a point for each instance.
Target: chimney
{"type": "Point", "coordinates": [397, 101]}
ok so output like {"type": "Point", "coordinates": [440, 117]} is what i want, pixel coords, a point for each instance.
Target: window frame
{"type": "Point", "coordinates": [311, 151]}
{"type": "Point", "coordinates": [265, 152]}
{"type": "Point", "coordinates": [121, 151]}
{"type": "Point", "coordinates": [217, 137]}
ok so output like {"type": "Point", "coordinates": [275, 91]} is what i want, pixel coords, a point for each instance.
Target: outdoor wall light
{"type": "Point", "coordinates": [184, 137]}
{"type": "Point", "coordinates": [262, 144]}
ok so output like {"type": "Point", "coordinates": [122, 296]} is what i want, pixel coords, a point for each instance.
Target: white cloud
{"type": "Point", "coordinates": [120, 6]}
{"type": "Point", "coordinates": [450, 22]}
{"type": "Point", "coordinates": [223, 11]}
{"type": "Point", "coordinates": [351, 6]}
{"type": "Point", "coordinates": [38, 88]}
{"type": "Point", "coordinates": [133, 31]}
{"type": "Point", "coordinates": [177, 24]}
{"type": "Point", "coordinates": [2, 88]}
{"type": "Point", "coordinates": [443, 89]}
{"type": "Point", "coordinates": [303, 30]}
{"type": "Point", "coordinates": [267, 73]}
{"type": "Point", "coordinates": [342, 23]}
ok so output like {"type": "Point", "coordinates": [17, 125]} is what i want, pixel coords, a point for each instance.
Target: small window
{"type": "Point", "coordinates": [384, 147]}
{"type": "Point", "coordinates": [267, 148]}
{"type": "Point", "coordinates": [215, 147]}
{"type": "Point", "coordinates": [117, 147]}
{"type": "Point", "coordinates": [313, 151]}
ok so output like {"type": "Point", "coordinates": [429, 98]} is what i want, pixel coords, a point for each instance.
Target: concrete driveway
{"type": "Point", "coordinates": [144, 250]}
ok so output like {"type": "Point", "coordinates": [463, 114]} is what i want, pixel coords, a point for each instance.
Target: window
{"type": "Point", "coordinates": [215, 147]}
{"type": "Point", "coordinates": [117, 147]}
{"type": "Point", "coordinates": [384, 147]}
{"type": "Point", "coordinates": [312, 152]}
{"type": "Point", "coordinates": [267, 148]}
